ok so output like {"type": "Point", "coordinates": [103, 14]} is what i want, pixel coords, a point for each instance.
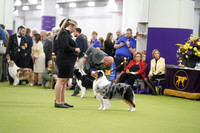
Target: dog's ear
{"type": "Point", "coordinates": [100, 74]}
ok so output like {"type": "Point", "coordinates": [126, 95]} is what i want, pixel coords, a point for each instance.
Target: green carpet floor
{"type": "Point", "coordinates": [25, 109]}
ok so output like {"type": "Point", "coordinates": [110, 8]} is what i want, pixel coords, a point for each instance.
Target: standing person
{"type": "Point", "coordinates": [94, 41]}
{"type": "Point", "coordinates": [81, 43]}
{"type": "Point", "coordinates": [4, 40]}
{"type": "Point", "coordinates": [101, 40]}
{"type": "Point", "coordinates": [109, 45]}
{"type": "Point", "coordinates": [28, 61]}
{"type": "Point", "coordinates": [125, 47]}
{"type": "Point", "coordinates": [118, 34]}
{"type": "Point", "coordinates": [38, 58]}
{"type": "Point", "coordinates": [47, 46]}
{"type": "Point", "coordinates": [16, 48]}
{"type": "Point", "coordinates": [34, 30]}
{"type": "Point", "coordinates": [157, 70]}
{"type": "Point", "coordinates": [65, 60]}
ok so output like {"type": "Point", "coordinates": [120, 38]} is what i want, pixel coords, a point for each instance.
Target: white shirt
{"type": "Point", "coordinates": [18, 41]}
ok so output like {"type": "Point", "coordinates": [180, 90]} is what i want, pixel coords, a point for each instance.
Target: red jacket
{"type": "Point", "coordinates": [142, 66]}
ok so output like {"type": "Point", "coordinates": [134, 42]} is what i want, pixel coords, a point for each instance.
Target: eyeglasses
{"type": "Point", "coordinates": [137, 56]}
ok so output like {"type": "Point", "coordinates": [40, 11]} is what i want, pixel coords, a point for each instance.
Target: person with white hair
{"type": "Point", "coordinates": [53, 33]}
{"type": "Point", "coordinates": [34, 30]}
{"type": "Point", "coordinates": [47, 46]}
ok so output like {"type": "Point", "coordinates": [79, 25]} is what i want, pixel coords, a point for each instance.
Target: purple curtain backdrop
{"type": "Point", "coordinates": [48, 22]}
{"type": "Point", "coordinates": [164, 39]}
{"type": "Point", "coordinates": [10, 32]}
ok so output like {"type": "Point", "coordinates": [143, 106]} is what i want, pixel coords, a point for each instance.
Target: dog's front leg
{"type": "Point", "coordinates": [16, 81]}
{"type": "Point", "coordinates": [83, 92]}
{"type": "Point", "coordinates": [99, 98]}
{"type": "Point", "coordinates": [106, 103]}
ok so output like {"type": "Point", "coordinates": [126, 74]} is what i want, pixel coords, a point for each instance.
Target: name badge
{"type": "Point", "coordinates": [25, 45]}
{"type": "Point", "coordinates": [107, 72]}
{"type": "Point", "coordinates": [37, 51]}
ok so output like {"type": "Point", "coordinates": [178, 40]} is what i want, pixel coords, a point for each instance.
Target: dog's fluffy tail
{"type": "Point", "coordinates": [129, 96]}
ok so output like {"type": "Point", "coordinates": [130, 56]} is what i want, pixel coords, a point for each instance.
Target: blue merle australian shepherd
{"type": "Point", "coordinates": [105, 90]}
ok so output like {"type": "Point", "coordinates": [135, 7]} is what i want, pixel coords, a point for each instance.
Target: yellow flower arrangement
{"type": "Point", "coordinates": [190, 50]}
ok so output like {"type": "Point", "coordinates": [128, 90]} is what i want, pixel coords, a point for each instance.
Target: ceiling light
{"type": "Point", "coordinates": [39, 7]}
{"type": "Point", "coordinates": [56, 6]}
{"type": "Point", "coordinates": [25, 8]}
{"type": "Point", "coordinates": [91, 3]}
{"type": "Point", "coordinates": [17, 3]}
{"type": "Point", "coordinates": [33, 1]}
{"type": "Point", "coordinates": [72, 4]}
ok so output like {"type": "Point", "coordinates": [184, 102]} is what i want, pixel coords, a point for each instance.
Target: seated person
{"type": "Point", "coordinates": [46, 76]}
{"type": "Point", "coordinates": [157, 70]}
{"type": "Point", "coordinates": [134, 70]}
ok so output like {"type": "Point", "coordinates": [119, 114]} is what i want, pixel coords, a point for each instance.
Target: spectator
{"type": "Point", "coordinates": [28, 63]}
{"type": "Point", "coordinates": [94, 41]}
{"type": "Point", "coordinates": [125, 47]}
{"type": "Point", "coordinates": [119, 35]}
{"type": "Point", "coordinates": [38, 58]}
{"type": "Point", "coordinates": [46, 76]}
{"type": "Point", "coordinates": [134, 70]}
{"type": "Point", "coordinates": [157, 70]}
{"type": "Point", "coordinates": [101, 40]}
{"type": "Point", "coordinates": [4, 40]}
{"type": "Point", "coordinates": [16, 48]}
{"type": "Point", "coordinates": [34, 30]}
{"type": "Point", "coordinates": [53, 34]}
{"type": "Point", "coordinates": [109, 45]}
{"type": "Point", "coordinates": [84, 36]}
{"type": "Point", "coordinates": [81, 43]}
{"type": "Point", "coordinates": [47, 46]}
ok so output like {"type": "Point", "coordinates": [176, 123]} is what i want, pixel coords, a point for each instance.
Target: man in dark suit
{"type": "Point", "coordinates": [47, 46]}
{"type": "Point", "coordinates": [81, 43]}
{"type": "Point", "coordinates": [17, 48]}
{"type": "Point", "coordinates": [28, 61]}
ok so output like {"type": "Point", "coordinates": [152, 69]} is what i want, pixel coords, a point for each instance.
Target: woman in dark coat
{"type": "Point", "coordinates": [109, 45]}
{"type": "Point", "coordinates": [65, 60]}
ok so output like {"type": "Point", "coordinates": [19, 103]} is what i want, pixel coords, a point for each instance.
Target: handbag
{"type": "Point", "coordinates": [2, 49]}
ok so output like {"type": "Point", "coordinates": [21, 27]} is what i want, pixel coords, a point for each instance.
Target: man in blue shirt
{"type": "Point", "coordinates": [125, 47]}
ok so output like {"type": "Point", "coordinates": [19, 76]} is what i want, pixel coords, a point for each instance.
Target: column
{"type": "Point", "coordinates": [170, 22]}
{"type": "Point", "coordinates": [130, 15]}
{"type": "Point", "coordinates": [48, 14]}
{"type": "Point", "coordinates": [6, 14]}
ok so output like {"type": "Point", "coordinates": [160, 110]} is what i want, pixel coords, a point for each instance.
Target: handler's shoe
{"type": "Point", "coordinates": [60, 106]}
{"type": "Point", "coordinates": [66, 104]}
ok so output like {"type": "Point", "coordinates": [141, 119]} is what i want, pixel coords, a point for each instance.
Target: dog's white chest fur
{"type": "Point", "coordinates": [13, 71]}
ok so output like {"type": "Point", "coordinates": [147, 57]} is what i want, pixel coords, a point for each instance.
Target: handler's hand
{"type": "Point", "coordinates": [84, 60]}
{"type": "Point", "coordinates": [77, 50]}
